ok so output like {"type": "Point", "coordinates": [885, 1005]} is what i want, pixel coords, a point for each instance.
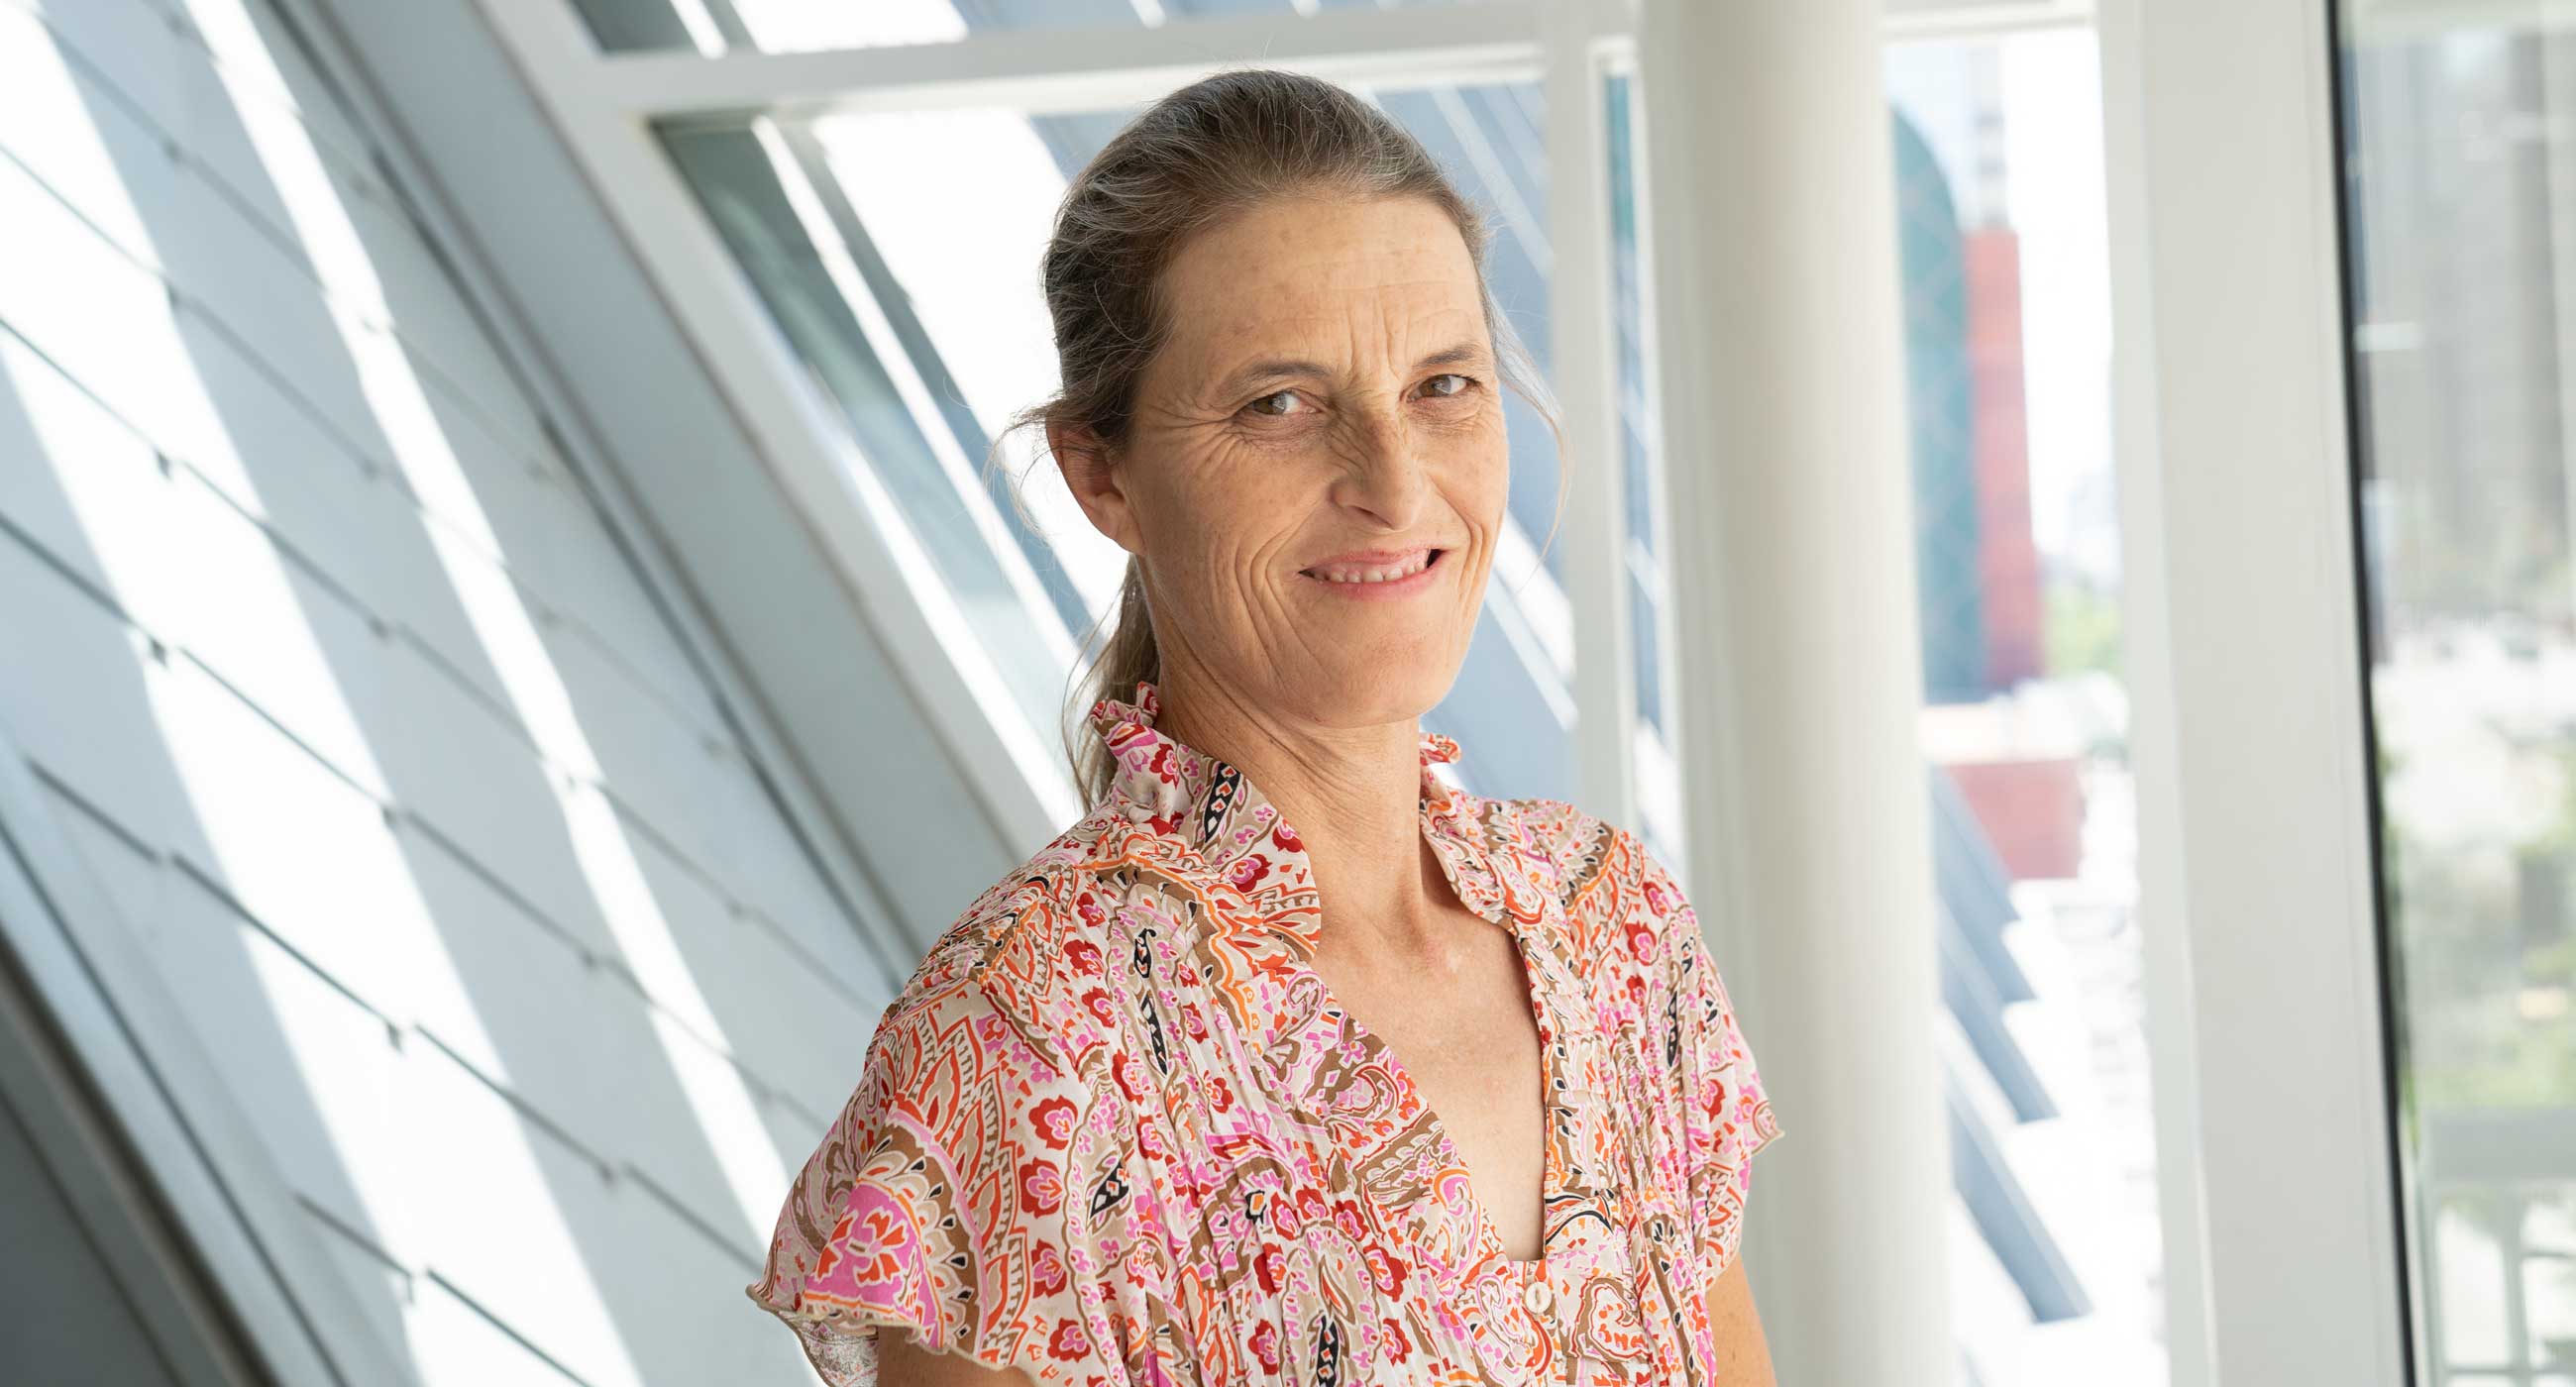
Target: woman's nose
{"type": "Point", "coordinates": [1383, 472]}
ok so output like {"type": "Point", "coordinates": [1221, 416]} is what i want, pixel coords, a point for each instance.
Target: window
{"type": "Point", "coordinates": [907, 293]}
{"type": "Point", "coordinates": [802, 26]}
{"type": "Point", "coordinates": [2000, 196]}
{"type": "Point", "coordinates": [1659, 789]}
{"type": "Point", "coordinates": [2461, 247]}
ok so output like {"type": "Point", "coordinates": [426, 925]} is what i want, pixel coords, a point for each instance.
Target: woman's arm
{"type": "Point", "coordinates": [1743, 1355]}
{"type": "Point", "coordinates": [903, 1363]}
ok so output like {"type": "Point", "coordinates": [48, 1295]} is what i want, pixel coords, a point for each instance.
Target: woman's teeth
{"type": "Point", "coordinates": [1373, 575]}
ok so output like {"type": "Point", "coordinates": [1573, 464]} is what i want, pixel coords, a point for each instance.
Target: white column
{"type": "Point", "coordinates": [1799, 663]}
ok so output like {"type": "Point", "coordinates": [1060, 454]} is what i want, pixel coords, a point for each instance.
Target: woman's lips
{"type": "Point", "coordinates": [1359, 580]}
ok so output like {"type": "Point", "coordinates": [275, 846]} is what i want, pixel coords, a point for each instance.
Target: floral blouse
{"type": "Point", "coordinates": [1116, 1130]}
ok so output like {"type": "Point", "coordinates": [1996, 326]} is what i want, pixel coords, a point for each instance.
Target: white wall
{"type": "Point", "coordinates": [403, 772]}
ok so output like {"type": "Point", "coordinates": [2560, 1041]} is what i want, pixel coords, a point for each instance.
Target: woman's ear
{"type": "Point", "coordinates": [1098, 485]}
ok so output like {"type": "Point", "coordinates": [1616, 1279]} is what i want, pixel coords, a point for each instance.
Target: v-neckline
{"type": "Point", "coordinates": [1487, 1236]}
{"type": "Point", "coordinates": [1227, 828]}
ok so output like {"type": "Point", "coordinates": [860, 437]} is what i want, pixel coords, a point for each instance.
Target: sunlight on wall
{"type": "Point", "coordinates": [308, 845]}
{"type": "Point", "coordinates": [295, 855]}
{"type": "Point", "coordinates": [422, 450]}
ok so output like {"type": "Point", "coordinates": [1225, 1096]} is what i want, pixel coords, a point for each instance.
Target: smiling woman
{"type": "Point", "coordinates": [1151, 1112]}
{"type": "Point", "coordinates": [1367, 423]}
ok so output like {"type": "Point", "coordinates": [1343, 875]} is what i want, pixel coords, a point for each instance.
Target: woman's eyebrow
{"type": "Point", "coordinates": [1466, 353]}
{"type": "Point", "coordinates": [1462, 354]}
{"type": "Point", "coordinates": [1244, 377]}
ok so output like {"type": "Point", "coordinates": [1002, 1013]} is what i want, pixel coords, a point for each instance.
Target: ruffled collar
{"type": "Point", "coordinates": [1202, 811]}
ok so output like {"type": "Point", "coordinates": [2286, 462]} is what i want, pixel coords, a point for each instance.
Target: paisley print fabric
{"type": "Point", "coordinates": [1116, 1130]}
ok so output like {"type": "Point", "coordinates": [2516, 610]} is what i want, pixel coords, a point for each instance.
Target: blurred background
{"type": "Point", "coordinates": [509, 650]}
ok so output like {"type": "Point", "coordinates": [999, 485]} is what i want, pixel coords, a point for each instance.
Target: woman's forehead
{"type": "Point", "coordinates": [1319, 244]}
{"type": "Point", "coordinates": [1323, 282]}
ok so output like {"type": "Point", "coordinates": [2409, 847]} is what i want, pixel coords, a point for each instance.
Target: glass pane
{"type": "Point", "coordinates": [2055, 1249]}
{"type": "Point", "coordinates": [811, 273]}
{"type": "Point", "coordinates": [1659, 791]}
{"type": "Point", "coordinates": [798, 26]}
{"type": "Point", "coordinates": [907, 251]}
{"type": "Point", "coordinates": [2461, 246]}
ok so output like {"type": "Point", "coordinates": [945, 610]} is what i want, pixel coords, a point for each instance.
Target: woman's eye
{"type": "Point", "coordinates": [1276, 402]}
{"type": "Point", "coordinates": [1448, 384]}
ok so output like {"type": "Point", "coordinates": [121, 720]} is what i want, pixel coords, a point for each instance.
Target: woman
{"type": "Point", "coordinates": [1289, 1061]}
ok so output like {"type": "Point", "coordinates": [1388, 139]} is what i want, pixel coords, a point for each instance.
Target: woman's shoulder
{"type": "Point", "coordinates": [1579, 842]}
{"type": "Point", "coordinates": [957, 1143]}
{"type": "Point", "coordinates": [1593, 860]}
{"type": "Point", "coordinates": [1621, 902]}
{"type": "Point", "coordinates": [1019, 955]}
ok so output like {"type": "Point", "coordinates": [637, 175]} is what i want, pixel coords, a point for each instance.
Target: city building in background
{"type": "Point", "coordinates": [2055, 1271]}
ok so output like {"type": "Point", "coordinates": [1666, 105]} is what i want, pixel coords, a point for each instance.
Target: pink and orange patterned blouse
{"type": "Point", "coordinates": [1116, 1130]}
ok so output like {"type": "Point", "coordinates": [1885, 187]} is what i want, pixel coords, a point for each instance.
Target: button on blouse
{"type": "Point", "coordinates": [1116, 1129]}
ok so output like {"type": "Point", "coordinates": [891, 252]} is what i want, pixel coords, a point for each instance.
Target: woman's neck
{"type": "Point", "coordinates": [1353, 794]}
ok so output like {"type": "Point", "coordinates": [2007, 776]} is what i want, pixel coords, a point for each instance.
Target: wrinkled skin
{"type": "Point", "coordinates": [1235, 479]}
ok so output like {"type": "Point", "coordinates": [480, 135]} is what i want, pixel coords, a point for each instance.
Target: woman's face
{"type": "Point", "coordinates": [1326, 411]}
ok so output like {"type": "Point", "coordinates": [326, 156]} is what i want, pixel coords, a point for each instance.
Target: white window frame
{"type": "Point", "coordinates": [2281, 1252]}
{"type": "Point", "coordinates": [2243, 620]}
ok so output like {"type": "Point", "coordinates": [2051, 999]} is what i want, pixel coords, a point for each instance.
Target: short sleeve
{"type": "Point", "coordinates": [933, 1206]}
{"type": "Point", "coordinates": [1726, 1115]}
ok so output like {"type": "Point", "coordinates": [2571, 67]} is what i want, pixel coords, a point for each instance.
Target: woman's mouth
{"type": "Point", "coordinates": [1378, 575]}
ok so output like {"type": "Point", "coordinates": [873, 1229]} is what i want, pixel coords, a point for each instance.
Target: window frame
{"type": "Point", "coordinates": [2250, 729]}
